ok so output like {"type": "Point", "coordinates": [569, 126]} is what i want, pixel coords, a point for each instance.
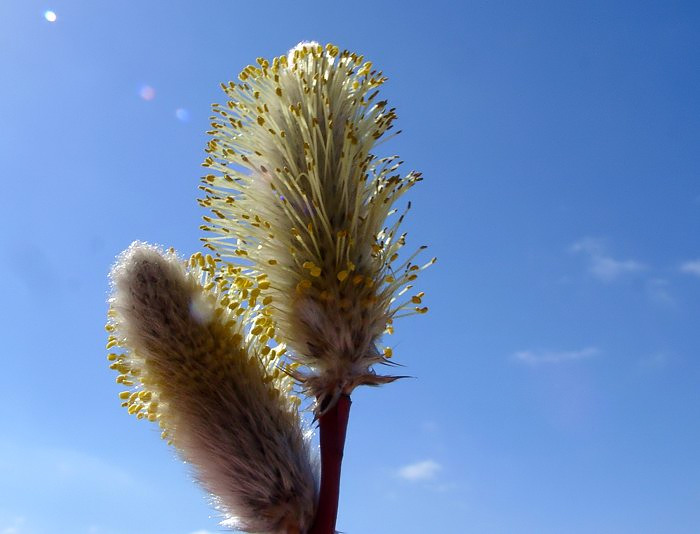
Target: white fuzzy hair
{"type": "Point", "coordinates": [222, 402]}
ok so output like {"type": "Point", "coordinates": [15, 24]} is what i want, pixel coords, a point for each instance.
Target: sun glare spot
{"type": "Point", "coordinates": [147, 92]}
{"type": "Point", "coordinates": [182, 114]}
{"type": "Point", "coordinates": [50, 16]}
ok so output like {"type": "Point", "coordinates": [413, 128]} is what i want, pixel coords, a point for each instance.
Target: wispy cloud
{"type": "Point", "coordinates": [26, 464]}
{"type": "Point", "coordinates": [539, 357]}
{"type": "Point", "coordinates": [659, 292]}
{"type": "Point", "coordinates": [656, 360]}
{"type": "Point", "coordinates": [15, 527]}
{"type": "Point", "coordinates": [600, 263]}
{"type": "Point", "coordinates": [424, 470]}
{"type": "Point", "coordinates": [691, 267]}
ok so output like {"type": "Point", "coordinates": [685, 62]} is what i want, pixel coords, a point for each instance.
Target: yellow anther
{"type": "Point", "coordinates": [111, 356]}
{"type": "Point", "coordinates": [416, 299]}
{"type": "Point", "coordinates": [315, 271]}
{"type": "Point", "coordinates": [257, 330]}
{"type": "Point", "coordinates": [388, 352]}
{"type": "Point", "coordinates": [272, 262]}
{"type": "Point", "coordinates": [422, 310]}
{"type": "Point", "coordinates": [267, 300]}
{"type": "Point", "coordinates": [342, 275]}
{"type": "Point", "coordinates": [124, 395]}
{"type": "Point", "coordinates": [303, 285]}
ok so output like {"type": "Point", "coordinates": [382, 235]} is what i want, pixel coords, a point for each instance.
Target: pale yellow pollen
{"type": "Point", "coordinates": [303, 285]}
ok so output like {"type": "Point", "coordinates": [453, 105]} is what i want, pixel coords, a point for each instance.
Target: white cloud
{"type": "Point", "coordinates": [691, 267]}
{"type": "Point", "coordinates": [601, 264]}
{"type": "Point", "coordinates": [658, 291]}
{"type": "Point", "coordinates": [425, 470]}
{"type": "Point", "coordinates": [28, 464]}
{"type": "Point", "coordinates": [657, 360]}
{"type": "Point", "coordinates": [15, 528]}
{"type": "Point", "coordinates": [537, 357]}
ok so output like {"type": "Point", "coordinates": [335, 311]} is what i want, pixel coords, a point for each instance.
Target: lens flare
{"type": "Point", "coordinates": [147, 92]}
{"type": "Point", "coordinates": [50, 16]}
{"type": "Point", "coordinates": [182, 115]}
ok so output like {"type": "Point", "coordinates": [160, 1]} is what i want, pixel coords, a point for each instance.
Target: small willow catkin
{"type": "Point", "coordinates": [213, 384]}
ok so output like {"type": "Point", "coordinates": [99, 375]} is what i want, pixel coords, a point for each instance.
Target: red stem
{"type": "Point", "coordinates": [333, 425]}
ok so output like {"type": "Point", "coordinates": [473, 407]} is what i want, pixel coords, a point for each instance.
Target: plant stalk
{"type": "Point", "coordinates": [333, 425]}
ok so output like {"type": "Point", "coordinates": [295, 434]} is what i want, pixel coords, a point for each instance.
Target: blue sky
{"type": "Point", "coordinates": [557, 383]}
